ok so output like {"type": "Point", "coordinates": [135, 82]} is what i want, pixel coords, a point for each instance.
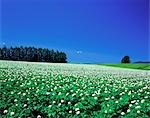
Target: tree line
{"type": "Point", "coordinates": [32, 54]}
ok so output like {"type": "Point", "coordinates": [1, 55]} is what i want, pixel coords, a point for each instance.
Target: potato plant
{"type": "Point", "coordinates": [46, 90]}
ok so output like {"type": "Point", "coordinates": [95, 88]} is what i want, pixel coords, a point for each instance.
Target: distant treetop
{"type": "Point", "coordinates": [126, 59]}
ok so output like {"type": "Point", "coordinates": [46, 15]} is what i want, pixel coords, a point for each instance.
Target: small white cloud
{"type": "Point", "coordinates": [79, 52]}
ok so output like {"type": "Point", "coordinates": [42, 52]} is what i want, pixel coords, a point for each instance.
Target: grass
{"type": "Point", "coordinates": [131, 66]}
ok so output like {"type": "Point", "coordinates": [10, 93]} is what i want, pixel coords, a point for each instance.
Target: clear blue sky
{"type": "Point", "coordinates": [87, 30]}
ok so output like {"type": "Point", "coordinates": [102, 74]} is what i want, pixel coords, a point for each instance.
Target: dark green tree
{"type": "Point", "coordinates": [126, 59]}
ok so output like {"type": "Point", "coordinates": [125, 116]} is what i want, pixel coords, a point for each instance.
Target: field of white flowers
{"type": "Point", "coordinates": [42, 90]}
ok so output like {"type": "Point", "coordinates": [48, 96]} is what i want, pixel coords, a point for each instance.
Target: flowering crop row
{"type": "Point", "coordinates": [72, 90]}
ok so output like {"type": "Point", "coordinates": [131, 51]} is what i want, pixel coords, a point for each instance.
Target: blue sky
{"type": "Point", "coordinates": [87, 30]}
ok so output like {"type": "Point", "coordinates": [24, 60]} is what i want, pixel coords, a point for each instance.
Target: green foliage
{"type": "Point", "coordinates": [71, 90]}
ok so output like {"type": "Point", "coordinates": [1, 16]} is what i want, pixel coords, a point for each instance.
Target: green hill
{"type": "Point", "coordinates": [132, 66]}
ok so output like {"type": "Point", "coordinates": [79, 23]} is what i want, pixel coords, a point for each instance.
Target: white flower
{"type": "Point", "coordinates": [142, 101]}
{"type": "Point", "coordinates": [106, 98]}
{"type": "Point", "coordinates": [133, 101]}
{"type": "Point", "coordinates": [62, 101]}
{"type": "Point", "coordinates": [39, 116]}
{"type": "Point", "coordinates": [139, 94]}
{"type": "Point", "coordinates": [73, 94]}
{"type": "Point", "coordinates": [5, 111]}
{"type": "Point", "coordinates": [95, 98]}
{"type": "Point", "coordinates": [128, 110]}
{"type": "Point", "coordinates": [59, 93]}
{"type": "Point", "coordinates": [25, 105]}
{"type": "Point", "coordinates": [87, 94]}
{"type": "Point", "coordinates": [12, 92]}
{"type": "Point", "coordinates": [116, 102]}
{"type": "Point", "coordinates": [81, 94]}
{"type": "Point", "coordinates": [28, 99]}
{"type": "Point", "coordinates": [93, 94]}
{"type": "Point", "coordinates": [59, 104]}
{"type": "Point", "coordinates": [50, 106]}
{"type": "Point", "coordinates": [69, 102]}
{"type": "Point", "coordinates": [146, 97]}
{"type": "Point", "coordinates": [67, 94]}
{"type": "Point", "coordinates": [122, 113]}
{"type": "Point", "coordinates": [55, 88]}
{"type": "Point", "coordinates": [12, 113]}
{"type": "Point", "coordinates": [137, 107]}
{"type": "Point", "coordinates": [76, 109]}
{"type": "Point", "coordinates": [112, 97]}
{"type": "Point", "coordinates": [129, 93]}
{"type": "Point", "coordinates": [54, 102]}
{"type": "Point", "coordinates": [24, 94]}
{"type": "Point", "coordinates": [78, 112]}
{"type": "Point", "coordinates": [98, 93]}
{"type": "Point", "coordinates": [130, 105]}
{"type": "Point", "coordinates": [47, 93]}
{"type": "Point", "coordinates": [105, 111]}
{"type": "Point", "coordinates": [138, 111]}
{"type": "Point", "coordinates": [19, 93]}
{"type": "Point", "coordinates": [15, 100]}
{"type": "Point", "coordinates": [70, 111]}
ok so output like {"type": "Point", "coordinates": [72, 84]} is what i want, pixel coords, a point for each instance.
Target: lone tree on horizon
{"type": "Point", "coordinates": [126, 59]}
